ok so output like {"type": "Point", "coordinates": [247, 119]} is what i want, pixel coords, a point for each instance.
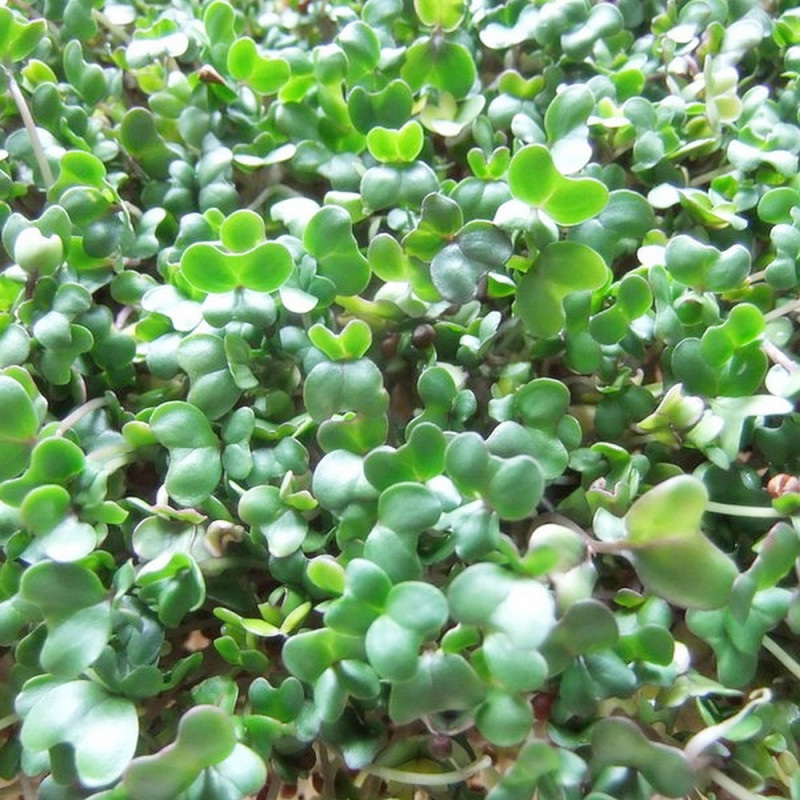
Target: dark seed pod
{"type": "Point", "coordinates": [389, 345]}
{"type": "Point", "coordinates": [423, 336]}
{"type": "Point", "coordinates": [542, 705]}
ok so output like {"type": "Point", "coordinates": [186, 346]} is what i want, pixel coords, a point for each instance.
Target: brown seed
{"type": "Point", "coordinates": [423, 336]}
{"type": "Point", "coordinates": [207, 74]}
{"type": "Point", "coordinates": [542, 704]}
{"type": "Point", "coordinates": [782, 484]}
{"type": "Point", "coordinates": [306, 760]}
{"type": "Point", "coordinates": [389, 345]}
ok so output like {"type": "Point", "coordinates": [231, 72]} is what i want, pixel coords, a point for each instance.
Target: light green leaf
{"type": "Point", "coordinates": [102, 730]}
{"type": "Point", "coordinates": [561, 269]}
{"type": "Point", "coordinates": [443, 14]}
{"type": "Point", "coordinates": [195, 465]}
{"type": "Point", "coordinates": [534, 178]}
{"type": "Point", "coordinates": [672, 556]}
{"type": "Point", "coordinates": [263, 268]}
{"type": "Point", "coordinates": [329, 238]}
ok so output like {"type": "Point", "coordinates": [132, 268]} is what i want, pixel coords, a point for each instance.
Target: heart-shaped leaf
{"type": "Point", "coordinates": [352, 343]}
{"type": "Point", "coordinates": [389, 107]}
{"type": "Point", "coordinates": [101, 729]}
{"type": "Point", "coordinates": [618, 741]}
{"type": "Point", "coordinates": [516, 486]}
{"type": "Point", "coordinates": [20, 37]}
{"type": "Point", "coordinates": [515, 668]}
{"type": "Point", "coordinates": [534, 178]}
{"type": "Point", "coordinates": [213, 389]}
{"type": "Point", "coordinates": [446, 65]}
{"type": "Point", "coordinates": [504, 718]}
{"type": "Point", "coordinates": [561, 269]}
{"type": "Point", "coordinates": [565, 124]}
{"type": "Point", "coordinates": [420, 458]}
{"type": "Point", "coordinates": [140, 137]}
{"type": "Point", "coordinates": [441, 682]}
{"type": "Point", "coordinates": [19, 424]}
{"type": "Point", "coordinates": [329, 238]}
{"type": "Point", "coordinates": [263, 268]}
{"type": "Point", "coordinates": [386, 186]}
{"type": "Point", "coordinates": [194, 458]}
{"type": "Point", "coordinates": [408, 507]}
{"type": "Point", "coordinates": [485, 594]}
{"type": "Point", "coordinates": [392, 649]}
{"type": "Point", "coordinates": [266, 74]}
{"type": "Point", "coordinates": [672, 556]}
{"type": "Point", "coordinates": [283, 527]}
{"type": "Point", "coordinates": [334, 388]}
{"type": "Point", "coordinates": [704, 267]}
{"type": "Point", "coordinates": [205, 737]}
{"type": "Point", "coordinates": [401, 145]}
{"type": "Point", "coordinates": [443, 14]}
{"type": "Point", "coordinates": [477, 248]}
{"type": "Point", "coordinates": [45, 512]}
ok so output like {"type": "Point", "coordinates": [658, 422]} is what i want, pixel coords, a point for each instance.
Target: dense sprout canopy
{"type": "Point", "coordinates": [397, 399]}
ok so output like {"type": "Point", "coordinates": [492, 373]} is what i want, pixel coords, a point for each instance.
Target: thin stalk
{"type": "Point", "coordinates": [274, 789]}
{"type": "Point", "coordinates": [79, 413]}
{"type": "Point", "coordinates": [117, 33]}
{"type": "Point", "coordinates": [777, 356]}
{"type": "Point", "coordinates": [269, 192]}
{"type": "Point", "coordinates": [369, 789]}
{"type": "Point", "coordinates": [599, 547]}
{"type": "Point", "coordinates": [327, 774]}
{"type": "Point", "coordinates": [782, 311]}
{"type": "Point", "coordinates": [759, 512]}
{"type": "Point", "coordinates": [113, 464]}
{"type": "Point", "coordinates": [771, 646]}
{"type": "Point", "coordinates": [701, 741]}
{"type": "Point", "coordinates": [733, 788]}
{"type": "Point", "coordinates": [302, 427]}
{"type": "Point", "coordinates": [28, 788]}
{"type": "Point", "coordinates": [707, 177]}
{"type": "Point", "coordinates": [218, 565]}
{"type": "Point", "coordinates": [30, 127]}
{"type": "Point", "coordinates": [427, 778]}
{"type": "Point", "coordinates": [8, 721]}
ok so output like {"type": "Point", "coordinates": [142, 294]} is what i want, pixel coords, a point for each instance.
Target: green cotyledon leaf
{"type": "Point", "coordinates": [560, 269]}
{"type": "Point", "coordinates": [670, 553]}
{"type": "Point", "coordinates": [534, 178]}
{"type": "Point", "coordinates": [195, 465]}
{"type": "Point", "coordinates": [263, 268]}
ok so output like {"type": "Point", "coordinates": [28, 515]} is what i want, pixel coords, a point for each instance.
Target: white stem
{"type": "Point", "coordinates": [30, 127]}
{"type": "Point", "coordinates": [427, 778]}
{"type": "Point", "coordinates": [274, 789]}
{"type": "Point", "coordinates": [771, 646]}
{"type": "Point", "coordinates": [701, 741]}
{"type": "Point", "coordinates": [731, 787]}
{"type": "Point", "coordinates": [777, 356]}
{"type": "Point", "coordinates": [79, 413]}
{"type": "Point", "coordinates": [761, 512]}
{"type": "Point", "coordinates": [8, 721]}
{"type": "Point", "coordinates": [782, 311]}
